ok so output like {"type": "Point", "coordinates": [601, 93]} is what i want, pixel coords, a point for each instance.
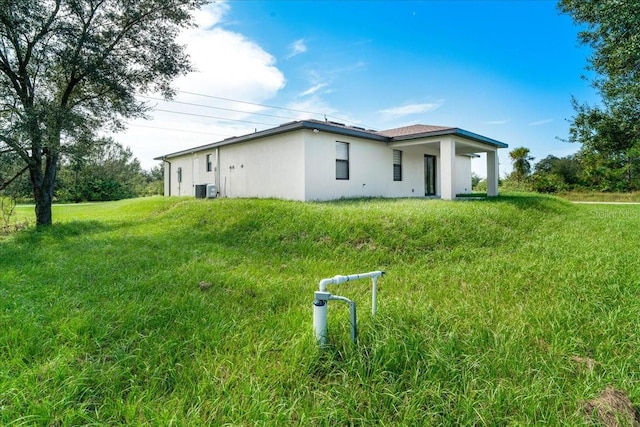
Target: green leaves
{"type": "Point", "coordinates": [69, 68]}
{"type": "Point", "coordinates": [610, 133]}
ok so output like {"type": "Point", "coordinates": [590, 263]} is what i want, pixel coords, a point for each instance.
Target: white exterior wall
{"type": "Point", "coordinates": [301, 165]}
{"type": "Point", "coordinates": [462, 177]}
{"type": "Point", "coordinates": [267, 167]}
{"type": "Point", "coordinates": [194, 172]}
{"type": "Point", "coordinates": [370, 168]}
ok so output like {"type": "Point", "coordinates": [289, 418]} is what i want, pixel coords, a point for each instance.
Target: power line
{"type": "Point", "coordinates": [216, 108]}
{"type": "Point", "coordinates": [251, 103]}
{"type": "Point", "coordinates": [178, 130]}
{"type": "Point", "coordinates": [315, 113]}
{"type": "Point", "coordinates": [214, 117]}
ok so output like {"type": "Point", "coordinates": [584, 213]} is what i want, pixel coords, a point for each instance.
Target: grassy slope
{"type": "Point", "coordinates": [486, 314]}
{"type": "Point", "coordinates": [599, 196]}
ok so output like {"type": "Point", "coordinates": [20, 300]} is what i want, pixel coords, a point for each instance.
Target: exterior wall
{"type": "Point", "coordinates": [194, 172]}
{"type": "Point", "coordinates": [301, 165]}
{"type": "Point", "coordinates": [370, 168]}
{"type": "Point", "coordinates": [267, 167]}
{"type": "Point", "coordinates": [462, 179]}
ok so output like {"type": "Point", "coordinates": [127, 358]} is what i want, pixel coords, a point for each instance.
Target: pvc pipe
{"type": "Point", "coordinates": [374, 295]}
{"type": "Point", "coordinates": [322, 297]}
{"type": "Point", "coordinates": [320, 321]}
{"type": "Point", "coordinates": [352, 312]}
{"type": "Point", "coordinates": [339, 279]}
{"type": "Point", "coordinates": [320, 307]}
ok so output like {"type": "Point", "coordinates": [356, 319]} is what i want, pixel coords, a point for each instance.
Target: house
{"type": "Point", "coordinates": [319, 160]}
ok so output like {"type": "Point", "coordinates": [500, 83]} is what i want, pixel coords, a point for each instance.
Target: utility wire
{"type": "Point", "coordinates": [214, 117]}
{"type": "Point", "coordinates": [217, 108]}
{"type": "Point", "coordinates": [250, 103]}
{"type": "Point", "coordinates": [178, 130]}
{"type": "Point", "coordinates": [315, 113]}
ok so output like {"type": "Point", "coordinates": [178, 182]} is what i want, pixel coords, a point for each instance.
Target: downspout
{"type": "Point", "coordinates": [164, 159]}
{"type": "Point", "coordinates": [217, 174]}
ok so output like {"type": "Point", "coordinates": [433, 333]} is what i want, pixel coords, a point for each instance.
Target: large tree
{"type": "Point", "coordinates": [103, 170]}
{"type": "Point", "coordinates": [610, 132]}
{"type": "Point", "coordinates": [69, 68]}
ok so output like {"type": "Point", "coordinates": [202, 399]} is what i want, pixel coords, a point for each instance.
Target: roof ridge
{"type": "Point", "coordinates": [413, 130]}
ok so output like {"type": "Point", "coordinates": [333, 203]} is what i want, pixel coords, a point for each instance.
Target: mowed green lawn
{"type": "Point", "coordinates": [512, 311]}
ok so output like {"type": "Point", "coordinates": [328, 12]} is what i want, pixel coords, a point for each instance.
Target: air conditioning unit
{"type": "Point", "coordinates": [212, 192]}
{"type": "Point", "coordinates": [201, 191]}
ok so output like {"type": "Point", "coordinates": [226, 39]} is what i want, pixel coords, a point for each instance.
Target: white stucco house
{"type": "Point", "coordinates": [314, 160]}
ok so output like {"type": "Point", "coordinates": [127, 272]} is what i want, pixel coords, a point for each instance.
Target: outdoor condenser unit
{"type": "Point", "coordinates": [201, 191]}
{"type": "Point", "coordinates": [211, 191]}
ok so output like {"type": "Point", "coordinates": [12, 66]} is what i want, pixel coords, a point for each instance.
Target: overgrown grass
{"type": "Point", "coordinates": [486, 316]}
{"type": "Point", "coordinates": [599, 196]}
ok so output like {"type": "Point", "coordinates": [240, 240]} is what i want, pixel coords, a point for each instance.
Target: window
{"type": "Point", "coordinates": [209, 164]}
{"type": "Point", "coordinates": [342, 160]}
{"type": "Point", "coordinates": [179, 174]}
{"type": "Point", "coordinates": [397, 165]}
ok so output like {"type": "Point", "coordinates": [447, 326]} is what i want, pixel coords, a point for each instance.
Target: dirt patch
{"type": "Point", "coordinates": [612, 408]}
{"type": "Point", "coordinates": [584, 364]}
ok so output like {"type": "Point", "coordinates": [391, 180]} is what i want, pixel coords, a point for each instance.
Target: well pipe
{"type": "Point", "coordinates": [322, 297]}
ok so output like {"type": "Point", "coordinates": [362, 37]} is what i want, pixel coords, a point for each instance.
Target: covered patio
{"type": "Point", "coordinates": [449, 143]}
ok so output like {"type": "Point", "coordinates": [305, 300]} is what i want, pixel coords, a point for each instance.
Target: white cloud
{"type": "Point", "coordinates": [228, 65]}
{"type": "Point", "coordinates": [411, 109]}
{"type": "Point", "coordinates": [210, 15]}
{"type": "Point", "coordinates": [313, 89]}
{"type": "Point", "coordinates": [540, 122]}
{"type": "Point", "coordinates": [311, 104]}
{"type": "Point", "coordinates": [296, 48]}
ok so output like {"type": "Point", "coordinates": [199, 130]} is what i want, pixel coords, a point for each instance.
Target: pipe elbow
{"type": "Point", "coordinates": [324, 283]}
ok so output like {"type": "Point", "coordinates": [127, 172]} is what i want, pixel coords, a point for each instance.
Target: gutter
{"type": "Point", "coordinates": [453, 131]}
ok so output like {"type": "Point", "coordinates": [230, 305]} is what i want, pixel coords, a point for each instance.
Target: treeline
{"type": "Point", "coordinates": [91, 172]}
{"type": "Point", "coordinates": [588, 169]}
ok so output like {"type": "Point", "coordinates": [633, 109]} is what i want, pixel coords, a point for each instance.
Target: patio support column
{"type": "Point", "coordinates": [492, 173]}
{"type": "Point", "coordinates": [447, 169]}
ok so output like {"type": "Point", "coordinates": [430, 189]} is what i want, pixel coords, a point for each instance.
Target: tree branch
{"type": "Point", "coordinates": [6, 184]}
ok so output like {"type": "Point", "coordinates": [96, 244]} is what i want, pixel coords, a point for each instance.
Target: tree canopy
{"type": "Point", "coordinates": [69, 68]}
{"type": "Point", "coordinates": [610, 132]}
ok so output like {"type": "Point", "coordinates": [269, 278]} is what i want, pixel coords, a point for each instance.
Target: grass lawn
{"type": "Point", "coordinates": [599, 196]}
{"type": "Point", "coordinates": [507, 311]}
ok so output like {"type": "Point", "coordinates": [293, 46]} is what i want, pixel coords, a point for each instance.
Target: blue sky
{"type": "Point", "coordinates": [503, 69]}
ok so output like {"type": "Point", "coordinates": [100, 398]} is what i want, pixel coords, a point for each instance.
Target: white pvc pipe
{"type": "Point", "coordinates": [322, 297]}
{"type": "Point", "coordinates": [337, 280]}
{"type": "Point", "coordinates": [320, 321]}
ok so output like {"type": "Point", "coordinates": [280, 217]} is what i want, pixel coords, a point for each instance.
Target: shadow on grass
{"type": "Point", "coordinates": [36, 244]}
{"type": "Point", "coordinates": [523, 201]}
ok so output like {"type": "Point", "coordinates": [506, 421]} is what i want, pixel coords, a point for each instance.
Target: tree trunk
{"type": "Point", "coordinates": [43, 186]}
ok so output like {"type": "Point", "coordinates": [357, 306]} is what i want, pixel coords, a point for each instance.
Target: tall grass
{"type": "Point", "coordinates": [493, 312]}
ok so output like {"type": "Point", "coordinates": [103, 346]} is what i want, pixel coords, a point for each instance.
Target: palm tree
{"type": "Point", "coordinates": [521, 163]}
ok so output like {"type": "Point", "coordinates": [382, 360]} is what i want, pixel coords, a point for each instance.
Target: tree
{"type": "Point", "coordinates": [553, 174]}
{"type": "Point", "coordinates": [104, 170]}
{"type": "Point", "coordinates": [521, 163]}
{"type": "Point", "coordinates": [567, 168]}
{"type": "Point", "coordinates": [610, 133]}
{"type": "Point", "coordinates": [69, 68]}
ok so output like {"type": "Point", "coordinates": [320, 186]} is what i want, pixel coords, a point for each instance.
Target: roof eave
{"type": "Point", "coordinates": [287, 127]}
{"type": "Point", "coordinates": [453, 131]}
